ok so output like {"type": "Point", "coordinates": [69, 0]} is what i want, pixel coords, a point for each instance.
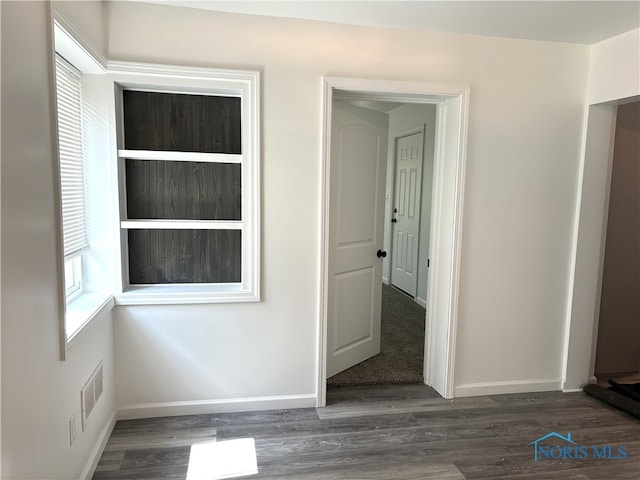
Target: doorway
{"type": "Point", "coordinates": [408, 162]}
{"type": "Point", "coordinates": [588, 249]}
{"type": "Point", "coordinates": [618, 333]}
{"type": "Point", "coordinates": [451, 107]}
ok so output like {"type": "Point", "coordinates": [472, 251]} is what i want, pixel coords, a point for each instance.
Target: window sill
{"type": "Point", "coordinates": [186, 294]}
{"type": "Point", "coordinates": [81, 311]}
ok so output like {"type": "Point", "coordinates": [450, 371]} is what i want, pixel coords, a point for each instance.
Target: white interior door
{"type": "Point", "coordinates": [406, 212]}
{"type": "Point", "coordinates": [358, 171]}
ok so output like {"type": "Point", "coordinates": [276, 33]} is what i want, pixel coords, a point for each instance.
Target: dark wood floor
{"type": "Point", "coordinates": [390, 432]}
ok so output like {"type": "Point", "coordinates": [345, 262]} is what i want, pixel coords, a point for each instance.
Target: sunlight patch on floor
{"type": "Point", "coordinates": [225, 459]}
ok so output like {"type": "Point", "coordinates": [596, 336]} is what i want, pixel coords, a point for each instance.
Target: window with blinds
{"type": "Point", "coordinates": [69, 103]}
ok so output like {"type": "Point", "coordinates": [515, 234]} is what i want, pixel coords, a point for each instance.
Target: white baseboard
{"type": "Point", "coordinates": [514, 386]}
{"type": "Point", "coordinates": [421, 302]}
{"type": "Point", "coordinates": [571, 390]}
{"type": "Point", "coordinates": [96, 453]}
{"type": "Point", "coordinates": [577, 387]}
{"type": "Point", "coordinates": [168, 409]}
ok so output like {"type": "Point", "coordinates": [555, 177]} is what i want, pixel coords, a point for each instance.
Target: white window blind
{"type": "Point", "coordinates": [71, 157]}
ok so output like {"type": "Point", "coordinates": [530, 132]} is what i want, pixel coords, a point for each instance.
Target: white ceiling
{"type": "Point", "coordinates": [584, 22]}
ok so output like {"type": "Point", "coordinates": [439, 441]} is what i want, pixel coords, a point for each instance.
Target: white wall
{"type": "Point", "coordinates": [88, 20]}
{"type": "Point", "coordinates": [403, 118]}
{"type": "Point", "coordinates": [39, 392]}
{"type": "Point", "coordinates": [585, 279]}
{"type": "Point", "coordinates": [614, 69]}
{"type": "Point", "coordinates": [526, 107]}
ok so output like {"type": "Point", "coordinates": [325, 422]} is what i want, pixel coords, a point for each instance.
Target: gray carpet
{"type": "Point", "coordinates": [401, 346]}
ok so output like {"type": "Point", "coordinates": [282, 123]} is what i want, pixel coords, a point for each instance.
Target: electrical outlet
{"type": "Point", "coordinates": [72, 429]}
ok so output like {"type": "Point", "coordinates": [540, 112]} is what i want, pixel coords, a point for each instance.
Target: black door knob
{"type": "Point", "coordinates": [381, 254]}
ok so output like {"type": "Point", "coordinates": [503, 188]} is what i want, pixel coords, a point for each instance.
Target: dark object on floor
{"type": "Point", "coordinates": [631, 390]}
{"type": "Point", "coordinates": [401, 346]}
{"type": "Point", "coordinates": [615, 399]}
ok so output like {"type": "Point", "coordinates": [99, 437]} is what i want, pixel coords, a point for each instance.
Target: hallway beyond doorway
{"type": "Point", "coordinates": [401, 346]}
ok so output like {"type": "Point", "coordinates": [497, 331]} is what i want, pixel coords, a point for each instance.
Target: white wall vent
{"type": "Point", "coordinates": [90, 394]}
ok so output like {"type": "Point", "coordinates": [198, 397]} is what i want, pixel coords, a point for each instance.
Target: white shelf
{"type": "Point", "coordinates": [176, 294]}
{"type": "Point", "coordinates": [180, 156]}
{"type": "Point", "coordinates": [182, 224]}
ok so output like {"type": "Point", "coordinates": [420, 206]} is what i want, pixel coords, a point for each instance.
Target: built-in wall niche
{"type": "Point", "coordinates": [183, 187]}
{"type": "Point", "coordinates": [175, 122]}
{"type": "Point", "coordinates": [159, 189]}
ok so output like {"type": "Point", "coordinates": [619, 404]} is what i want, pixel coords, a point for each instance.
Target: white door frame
{"type": "Point", "coordinates": [448, 193]}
